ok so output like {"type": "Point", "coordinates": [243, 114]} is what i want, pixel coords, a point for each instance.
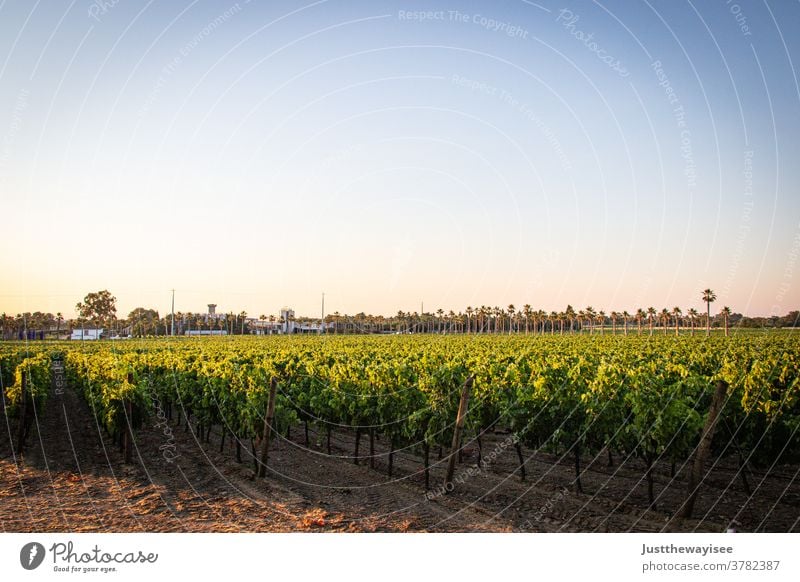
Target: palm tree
{"type": "Point", "coordinates": [676, 313]}
{"type": "Point", "coordinates": [469, 311]}
{"type": "Point", "coordinates": [570, 313]}
{"type": "Point", "coordinates": [590, 314]}
{"type": "Point", "coordinates": [693, 315]}
{"type": "Point", "coordinates": [726, 313]}
{"type": "Point", "coordinates": [614, 316]}
{"type": "Point", "coordinates": [601, 319]}
{"type": "Point", "coordinates": [651, 314]}
{"type": "Point", "coordinates": [709, 297]}
{"type": "Point", "coordinates": [665, 319]}
{"type": "Point", "coordinates": [526, 311]}
{"type": "Point", "coordinates": [59, 320]}
{"type": "Point", "coordinates": [640, 315]}
{"type": "Point", "coordinates": [625, 317]}
{"type": "Point", "coordinates": [511, 311]}
{"type": "Point", "coordinates": [542, 317]}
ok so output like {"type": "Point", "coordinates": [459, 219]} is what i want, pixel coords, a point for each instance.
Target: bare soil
{"type": "Point", "coordinates": [71, 477]}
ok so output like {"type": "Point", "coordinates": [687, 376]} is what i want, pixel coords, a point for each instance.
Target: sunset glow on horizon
{"type": "Point", "coordinates": [256, 155]}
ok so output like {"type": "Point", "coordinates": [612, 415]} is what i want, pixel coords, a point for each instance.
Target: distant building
{"type": "Point", "coordinates": [264, 326]}
{"type": "Point", "coordinates": [212, 313]}
{"type": "Point", "coordinates": [311, 327]}
{"type": "Point", "coordinates": [206, 332]}
{"type": "Point", "coordinates": [282, 326]}
{"type": "Point", "coordinates": [86, 334]}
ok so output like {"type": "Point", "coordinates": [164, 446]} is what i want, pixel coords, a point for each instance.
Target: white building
{"type": "Point", "coordinates": [285, 324]}
{"type": "Point", "coordinates": [86, 334]}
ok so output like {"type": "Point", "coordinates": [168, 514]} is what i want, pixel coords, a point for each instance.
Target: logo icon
{"type": "Point", "coordinates": [31, 555]}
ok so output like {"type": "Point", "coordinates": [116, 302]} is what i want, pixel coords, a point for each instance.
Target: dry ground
{"type": "Point", "coordinates": [71, 478]}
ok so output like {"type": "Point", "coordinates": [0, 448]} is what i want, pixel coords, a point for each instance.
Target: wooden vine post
{"type": "Point", "coordinates": [703, 450]}
{"type": "Point", "coordinates": [460, 417]}
{"type": "Point", "coordinates": [22, 427]}
{"type": "Point", "coordinates": [127, 433]}
{"type": "Point", "coordinates": [268, 419]}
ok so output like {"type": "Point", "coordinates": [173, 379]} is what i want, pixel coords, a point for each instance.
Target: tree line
{"type": "Point", "coordinates": [98, 310]}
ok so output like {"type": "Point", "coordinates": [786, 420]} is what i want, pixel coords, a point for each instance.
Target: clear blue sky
{"type": "Point", "coordinates": [256, 154]}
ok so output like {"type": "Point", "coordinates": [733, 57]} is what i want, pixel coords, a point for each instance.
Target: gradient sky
{"type": "Point", "coordinates": [256, 154]}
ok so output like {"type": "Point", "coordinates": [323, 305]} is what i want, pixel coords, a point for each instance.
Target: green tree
{"type": "Point", "coordinates": [676, 313]}
{"type": "Point", "coordinates": [651, 315]}
{"type": "Point", "coordinates": [709, 297]}
{"type": "Point", "coordinates": [99, 308]}
{"type": "Point", "coordinates": [693, 315]}
{"type": "Point", "coordinates": [569, 312]}
{"type": "Point", "coordinates": [527, 310]}
{"type": "Point", "coordinates": [665, 319]}
{"type": "Point", "coordinates": [590, 315]}
{"type": "Point", "coordinates": [142, 320]}
{"type": "Point", "coordinates": [725, 313]}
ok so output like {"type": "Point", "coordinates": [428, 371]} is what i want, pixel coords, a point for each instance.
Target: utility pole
{"type": "Point", "coordinates": [322, 321]}
{"type": "Point", "coordinates": [172, 324]}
